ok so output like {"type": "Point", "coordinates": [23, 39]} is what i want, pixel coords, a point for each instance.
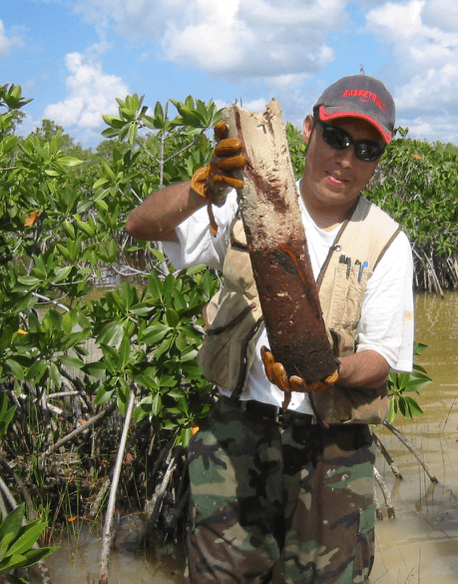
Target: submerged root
{"type": "Point", "coordinates": [386, 495]}
{"type": "Point", "coordinates": [412, 449]}
{"type": "Point", "coordinates": [394, 469]}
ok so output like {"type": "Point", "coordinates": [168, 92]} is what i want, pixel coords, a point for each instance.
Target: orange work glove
{"type": "Point", "coordinates": [214, 181]}
{"type": "Point", "coordinates": [277, 375]}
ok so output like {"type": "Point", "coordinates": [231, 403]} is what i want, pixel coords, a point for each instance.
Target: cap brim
{"type": "Point", "coordinates": [326, 115]}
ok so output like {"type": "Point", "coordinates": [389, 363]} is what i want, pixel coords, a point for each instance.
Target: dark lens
{"type": "Point", "coordinates": [336, 138]}
{"type": "Point", "coordinates": [368, 151]}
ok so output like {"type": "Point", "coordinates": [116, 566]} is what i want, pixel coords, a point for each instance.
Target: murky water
{"type": "Point", "coordinates": [419, 545]}
{"type": "Point", "coordinates": [78, 562]}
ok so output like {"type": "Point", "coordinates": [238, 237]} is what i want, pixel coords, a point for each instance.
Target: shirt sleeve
{"type": "Point", "coordinates": [387, 322]}
{"type": "Point", "coordinates": [196, 243]}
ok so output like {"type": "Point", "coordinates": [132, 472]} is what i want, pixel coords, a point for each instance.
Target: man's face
{"type": "Point", "coordinates": [334, 178]}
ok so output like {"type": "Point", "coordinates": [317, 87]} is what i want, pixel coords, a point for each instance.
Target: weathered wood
{"type": "Point", "coordinates": [277, 245]}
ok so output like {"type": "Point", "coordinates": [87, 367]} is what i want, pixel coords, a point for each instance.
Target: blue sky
{"type": "Point", "coordinates": [74, 57]}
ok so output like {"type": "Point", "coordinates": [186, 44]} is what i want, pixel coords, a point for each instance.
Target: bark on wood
{"type": "Point", "coordinates": [278, 247]}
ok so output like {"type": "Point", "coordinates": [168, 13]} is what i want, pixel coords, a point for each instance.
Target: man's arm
{"type": "Point", "coordinates": [364, 369]}
{"type": "Point", "coordinates": [156, 218]}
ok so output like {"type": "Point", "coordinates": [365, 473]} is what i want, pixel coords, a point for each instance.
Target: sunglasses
{"type": "Point", "coordinates": [366, 150]}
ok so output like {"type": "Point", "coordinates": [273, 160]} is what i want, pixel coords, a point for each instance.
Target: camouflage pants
{"type": "Point", "coordinates": [261, 489]}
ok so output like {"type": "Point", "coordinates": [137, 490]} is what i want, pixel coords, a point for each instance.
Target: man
{"type": "Point", "coordinates": [298, 483]}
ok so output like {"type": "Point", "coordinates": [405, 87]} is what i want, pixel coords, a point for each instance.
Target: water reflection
{"type": "Point", "coordinates": [419, 545]}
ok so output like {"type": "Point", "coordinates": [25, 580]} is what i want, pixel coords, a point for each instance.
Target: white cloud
{"type": "Point", "coordinates": [7, 43]}
{"type": "Point", "coordinates": [433, 129]}
{"type": "Point", "coordinates": [425, 57]}
{"type": "Point", "coordinates": [91, 93]}
{"type": "Point", "coordinates": [254, 105]}
{"type": "Point", "coordinates": [443, 15]}
{"type": "Point", "coordinates": [283, 49]}
{"type": "Point", "coordinates": [435, 88]}
{"type": "Point", "coordinates": [234, 39]}
{"type": "Point", "coordinates": [254, 37]}
{"type": "Point", "coordinates": [135, 19]}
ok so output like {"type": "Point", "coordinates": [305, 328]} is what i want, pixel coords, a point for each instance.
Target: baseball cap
{"type": "Point", "coordinates": [359, 96]}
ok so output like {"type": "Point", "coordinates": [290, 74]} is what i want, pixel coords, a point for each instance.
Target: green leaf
{"type": "Point", "coordinates": [65, 253]}
{"type": "Point", "coordinates": [103, 395]}
{"type": "Point", "coordinates": [53, 316]}
{"type": "Point", "coordinates": [417, 382]}
{"type": "Point", "coordinates": [55, 375]}
{"type": "Point", "coordinates": [70, 362]}
{"type": "Point", "coordinates": [155, 285]}
{"type": "Point", "coordinates": [132, 133]}
{"type": "Point", "coordinates": [111, 334]}
{"type": "Point", "coordinates": [419, 348]}
{"type": "Point", "coordinates": [154, 334]}
{"type": "Point", "coordinates": [29, 281]}
{"type": "Point", "coordinates": [6, 337]}
{"type": "Point", "coordinates": [36, 371]}
{"type": "Point", "coordinates": [12, 523]}
{"type": "Point", "coordinates": [70, 161]}
{"type": "Point", "coordinates": [124, 352]}
{"type": "Point", "coordinates": [96, 369]}
{"type": "Point", "coordinates": [163, 347]}
{"type": "Point", "coordinates": [393, 410]}
{"type": "Point", "coordinates": [62, 273]}
{"type": "Point", "coordinates": [85, 227]}
{"type": "Point", "coordinates": [172, 317]}
{"type": "Point", "coordinates": [156, 405]}
{"type": "Point", "coordinates": [16, 369]}
{"type": "Point", "coordinates": [409, 407]}
{"type": "Point", "coordinates": [36, 555]}
{"type": "Point", "coordinates": [189, 354]}
{"type": "Point", "coordinates": [32, 532]}
{"type": "Point", "coordinates": [12, 563]}
{"type": "Point", "coordinates": [113, 121]}
{"type": "Point", "coordinates": [4, 544]}
{"type": "Point", "coordinates": [186, 436]}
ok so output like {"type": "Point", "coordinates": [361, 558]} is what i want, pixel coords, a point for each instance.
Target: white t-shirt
{"type": "Point", "coordinates": [386, 324]}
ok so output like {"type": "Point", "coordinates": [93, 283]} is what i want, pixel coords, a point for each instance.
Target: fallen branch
{"type": "Point", "coordinates": [97, 418]}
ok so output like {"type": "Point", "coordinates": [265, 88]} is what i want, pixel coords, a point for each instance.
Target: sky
{"type": "Point", "coordinates": [75, 57]}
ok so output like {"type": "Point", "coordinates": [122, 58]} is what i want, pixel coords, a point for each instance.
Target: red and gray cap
{"type": "Point", "coordinates": [359, 96]}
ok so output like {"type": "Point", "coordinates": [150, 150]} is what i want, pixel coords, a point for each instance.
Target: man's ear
{"type": "Point", "coordinates": [307, 128]}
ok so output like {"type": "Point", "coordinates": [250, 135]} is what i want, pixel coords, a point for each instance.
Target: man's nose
{"type": "Point", "coordinates": [346, 157]}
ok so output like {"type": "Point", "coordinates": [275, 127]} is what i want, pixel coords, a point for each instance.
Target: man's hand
{"type": "Point", "coordinates": [277, 375]}
{"type": "Point", "coordinates": [213, 182]}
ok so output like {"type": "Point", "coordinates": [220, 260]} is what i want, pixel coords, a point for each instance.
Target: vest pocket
{"type": "Point", "coordinates": [346, 299]}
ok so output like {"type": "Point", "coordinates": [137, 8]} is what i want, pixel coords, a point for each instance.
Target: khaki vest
{"type": "Point", "coordinates": [234, 315]}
